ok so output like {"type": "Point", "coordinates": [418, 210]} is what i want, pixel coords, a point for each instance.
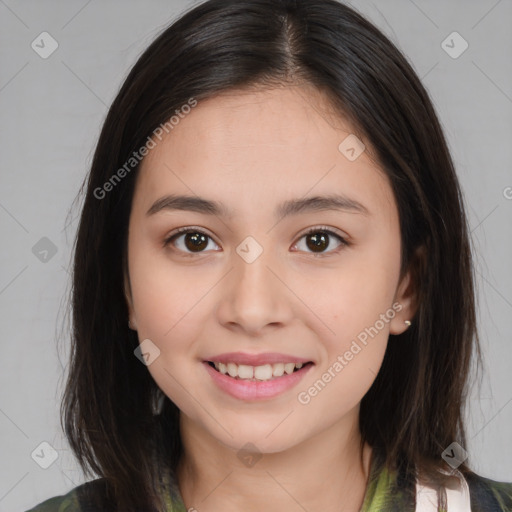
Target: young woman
{"type": "Point", "coordinates": [273, 303]}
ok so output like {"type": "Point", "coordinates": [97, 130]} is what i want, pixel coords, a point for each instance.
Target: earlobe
{"type": "Point", "coordinates": [404, 298]}
{"type": "Point", "coordinates": [407, 295]}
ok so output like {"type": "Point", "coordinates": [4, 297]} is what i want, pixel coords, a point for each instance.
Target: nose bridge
{"type": "Point", "coordinates": [256, 297]}
{"type": "Point", "coordinates": [252, 276]}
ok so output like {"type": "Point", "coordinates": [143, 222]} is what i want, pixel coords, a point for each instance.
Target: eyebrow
{"type": "Point", "coordinates": [285, 209]}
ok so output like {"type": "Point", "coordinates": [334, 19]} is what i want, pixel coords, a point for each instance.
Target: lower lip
{"type": "Point", "coordinates": [256, 390]}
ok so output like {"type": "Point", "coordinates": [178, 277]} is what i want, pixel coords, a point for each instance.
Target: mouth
{"type": "Point", "coordinates": [261, 373]}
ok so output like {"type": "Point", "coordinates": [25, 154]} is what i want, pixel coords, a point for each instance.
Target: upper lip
{"type": "Point", "coordinates": [256, 359]}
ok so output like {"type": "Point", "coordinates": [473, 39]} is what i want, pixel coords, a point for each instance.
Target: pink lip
{"type": "Point", "coordinates": [256, 359]}
{"type": "Point", "coordinates": [256, 390]}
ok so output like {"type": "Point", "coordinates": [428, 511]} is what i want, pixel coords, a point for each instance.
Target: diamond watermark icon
{"type": "Point", "coordinates": [454, 455]}
{"type": "Point", "coordinates": [44, 45]}
{"type": "Point", "coordinates": [45, 455]}
{"type": "Point", "coordinates": [44, 250]}
{"type": "Point", "coordinates": [249, 249]}
{"type": "Point", "coordinates": [454, 45]}
{"type": "Point", "coordinates": [351, 147]}
{"type": "Point", "coordinates": [147, 352]}
{"type": "Point", "coordinates": [249, 454]}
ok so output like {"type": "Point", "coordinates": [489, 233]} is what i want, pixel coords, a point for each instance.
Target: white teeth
{"type": "Point", "coordinates": [245, 371]}
{"type": "Point", "coordinates": [232, 370]}
{"type": "Point", "coordinates": [278, 369]}
{"type": "Point", "coordinates": [262, 373]}
{"type": "Point", "coordinates": [289, 367]}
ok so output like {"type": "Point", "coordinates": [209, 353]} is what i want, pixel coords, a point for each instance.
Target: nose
{"type": "Point", "coordinates": [255, 297]}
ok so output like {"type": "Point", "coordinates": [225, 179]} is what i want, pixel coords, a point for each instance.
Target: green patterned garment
{"type": "Point", "coordinates": [386, 492]}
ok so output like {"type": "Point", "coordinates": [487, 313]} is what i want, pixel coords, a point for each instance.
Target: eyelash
{"type": "Point", "coordinates": [316, 229]}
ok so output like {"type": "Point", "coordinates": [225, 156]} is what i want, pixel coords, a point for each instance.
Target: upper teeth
{"type": "Point", "coordinates": [264, 372]}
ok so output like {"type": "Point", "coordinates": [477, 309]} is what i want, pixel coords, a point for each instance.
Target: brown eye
{"type": "Point", "coordinates": [195, 241]}
{"type": "Point", "coordinates": [318, 240]}
{"type": "Point", "coordinates": [189, 241]}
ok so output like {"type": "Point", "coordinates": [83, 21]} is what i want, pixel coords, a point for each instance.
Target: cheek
{"type": "Point", "coordinates": [351, 362]}
{"type": "Point", "coordinates": [356, 305]}
{"type": "Point", "coordinates": [168, 308]}
{"type": "Point", "coordinates": [336, 393]}
{"type": "Point", "coordinates": [165, 296]}
{"type": "Point", "coordinates": [351, 299]}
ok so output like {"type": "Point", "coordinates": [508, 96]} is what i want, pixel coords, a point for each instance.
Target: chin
{"type": "Point", "coordinates": [265, 438]}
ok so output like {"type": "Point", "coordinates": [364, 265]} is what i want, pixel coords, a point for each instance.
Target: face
{"type": "Point", "coordinates": [266, 280]}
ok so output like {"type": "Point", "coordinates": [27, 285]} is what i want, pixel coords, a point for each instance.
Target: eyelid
{"type": "Point", "coordinates": [329, 229]}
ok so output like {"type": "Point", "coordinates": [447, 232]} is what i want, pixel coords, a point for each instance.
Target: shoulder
{"type": "Point", "coordinates": [80, 499]}
{"type": "Point", "coordinates": [487, 494]}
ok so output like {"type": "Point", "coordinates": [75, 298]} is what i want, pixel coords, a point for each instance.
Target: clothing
{"type": "Point", "coordinates": [386, 492]}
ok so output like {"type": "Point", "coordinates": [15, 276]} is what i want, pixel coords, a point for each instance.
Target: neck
{"type": "Point", "coordinates": [324, 472]}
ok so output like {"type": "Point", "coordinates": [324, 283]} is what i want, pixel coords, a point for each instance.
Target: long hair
{"type": "Point", "coordinates": [415, 407]}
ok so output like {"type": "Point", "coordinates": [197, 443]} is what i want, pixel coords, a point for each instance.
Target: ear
{"type": "Point", "coordinates": [132, 322]}
{"type": "Point", "coordinates": [407, 293]}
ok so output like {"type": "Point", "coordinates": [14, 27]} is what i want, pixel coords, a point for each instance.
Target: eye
{"type": "Point", "coordinates": [193, 240]}
{"type": "Point", "coordinates": [319, 238]}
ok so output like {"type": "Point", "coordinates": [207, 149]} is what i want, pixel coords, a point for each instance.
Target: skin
{"type": "Point", "coordinates": [251, 150]}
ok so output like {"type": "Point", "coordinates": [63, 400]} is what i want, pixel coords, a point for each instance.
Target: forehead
{"type": "Point", "coordinates": [251, 147]}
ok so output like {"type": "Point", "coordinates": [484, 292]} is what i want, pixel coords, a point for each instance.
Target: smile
{"type": "Point", "coordinates": [264, 372]}
{"type": "Point", "coordinates": [257, 381]}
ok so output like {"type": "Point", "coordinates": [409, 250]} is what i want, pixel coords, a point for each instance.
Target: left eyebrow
{"type": "Point", "coordinates": [290, 207]}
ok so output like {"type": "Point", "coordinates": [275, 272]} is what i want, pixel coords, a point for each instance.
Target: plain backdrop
{"type": "Point", "coordinates": [51, 113]}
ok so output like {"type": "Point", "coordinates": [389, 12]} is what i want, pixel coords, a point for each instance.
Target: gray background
{"type": "Point", "coordinates": [52, 110]}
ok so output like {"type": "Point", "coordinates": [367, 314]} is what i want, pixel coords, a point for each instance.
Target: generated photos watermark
{"type": "Point", "coordinates": [137, 156]}
{"type": "Point", "coordinates": [305, 397]}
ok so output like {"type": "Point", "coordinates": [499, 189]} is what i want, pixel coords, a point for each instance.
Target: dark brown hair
{"type": "Point", "coordinates": [415, 407]}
